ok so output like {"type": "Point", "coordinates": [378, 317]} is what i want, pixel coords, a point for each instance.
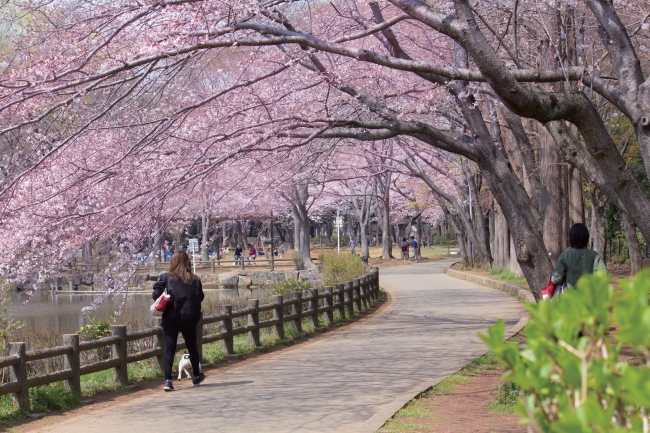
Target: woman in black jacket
{"type": "Point", "coordinates": [181, 314]}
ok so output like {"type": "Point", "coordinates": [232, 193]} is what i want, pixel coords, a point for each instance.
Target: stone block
{"type": "Point", "coordinates": [209, 278]}
{"type": "Point", "coordinates": [291, 275]}
{"type": "Point", "coordinates": [277, 277]}
{"type": "Point", "coordinates": [243, 283]}
{"type": "Point", "coordinates": [230, 279]}
{"type": "Point", "coordinates": [311, 277]}
{"type": "Point", "coordinates": [260, 278]}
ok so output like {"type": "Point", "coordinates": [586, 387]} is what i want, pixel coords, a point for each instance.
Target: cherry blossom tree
{"type": "Point", "coordinates": [110, 109]}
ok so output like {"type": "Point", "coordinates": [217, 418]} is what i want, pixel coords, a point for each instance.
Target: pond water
{"type": "Point", "coordinates": [61, 312]}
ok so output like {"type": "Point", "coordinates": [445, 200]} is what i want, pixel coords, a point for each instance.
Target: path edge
{"type": "Point", "coordinates": [374, 423]}
{"type": "Point", "coordinates": [513, 289]}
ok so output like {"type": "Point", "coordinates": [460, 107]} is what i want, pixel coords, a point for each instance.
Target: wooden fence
{"type": "Point", "coordinates": [353, 296]}
{"type": "Point", "coordinates": [214, 264]}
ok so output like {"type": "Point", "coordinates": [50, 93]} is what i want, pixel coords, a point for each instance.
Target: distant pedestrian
{"type": "Point", "coordinates": [414, 245]}
{"type": "Point", "coordinates": [576, 260]}
{"type": "Point", "coordinates": [352, 245]}
{"type": "Point", "coordinates": [252, 253]}
{"type": "Point", "coordinates": [181, 315]}
{"type": "Point", "coordinates": [424, 241]}
{"type": "Point", "coordinates": [238, 254]}
{"type": "Point", "coordinates": [282, 251]}
{"type": "Point", "coordinates": [405, 249]}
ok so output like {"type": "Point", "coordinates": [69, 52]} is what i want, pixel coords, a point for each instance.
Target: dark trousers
{"type": "Point", "coordinates": [188, 330]}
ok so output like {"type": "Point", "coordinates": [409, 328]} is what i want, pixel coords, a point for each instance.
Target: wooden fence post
{"type": "Point", "coordinates": [120, 373]}
{"type": "Point", "coordinates": [227, 344]}
{"type": "Point", "coordinates": [329, 303]}
{"type": "Point", "coordinates": [212, 263]}
{"type": "Point", "coordinates": [159, 343]}
{"type": "Point", "coordinates": [375, 280]}
{"type": "Point", "coordinates": [313, 306]}
{"type": "Point", "coordinates": [71, 362]}
{"type": "Point", "coordinates": [341, 300]}
{"type": "Point", "coordinates": [369, 291]}
{"type": "Point", "coordinates": [356, 293]}
{"type": "Point", "coordinates": [278, 313]}
{"type": "Point", "coordinates": [297, 309]}
{"type": "Point", "coordinates": [363, 292]}
{"type": "Point", "coordinates": [254, 319]}
{"type": "Point", "coordinates": [347, 289]}
{"type": "Point", "coordinates": [18, 373]}
{"type": "Point", "coordinates": [199, 338]}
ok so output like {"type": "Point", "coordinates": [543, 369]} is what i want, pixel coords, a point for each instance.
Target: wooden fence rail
{"type": "Point", "coordinates": [353, 296]}
{"type": "Point", "coordinates": [214, 263]}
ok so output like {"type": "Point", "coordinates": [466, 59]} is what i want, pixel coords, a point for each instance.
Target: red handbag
{"type": "Point", "coordinates": [158, 307]}
{"type": "Point", "coordinates": [549, 291]}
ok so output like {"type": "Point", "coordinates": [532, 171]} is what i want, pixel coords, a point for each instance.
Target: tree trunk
{"type": "Point", "coordinates": [364, 241]}
{"type": "Point", "coordinates": [296, 230]}
{"type": "Point", "coordinates": [297, 198]}
{"type": "Point", "coordinates": [598, 235]}
{"type": "Point", "coordinates": [384, 211]}
{"type": "Point", "coordinates": [301, 235]}
{"type": "Point", "coordinates": [205, 227]}
{"type": "Point", "coordinates": [501, 241]}
{"type": "Point", "coordinates": [554, 199]}
{"type": "Point", "coordinates": [636, 261]}
{"type": "Point", "coordinates": [576, 203]}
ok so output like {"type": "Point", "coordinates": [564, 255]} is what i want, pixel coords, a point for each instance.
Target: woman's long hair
{"type": "Point", "coordinates": [180, 267]}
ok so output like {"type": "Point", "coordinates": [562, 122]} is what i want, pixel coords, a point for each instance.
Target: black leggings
{"type": "Point", "coordinates": [171, 331]}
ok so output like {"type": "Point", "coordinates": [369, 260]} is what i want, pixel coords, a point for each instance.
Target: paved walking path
{"type": "Point", "coordinates": [349, 382]}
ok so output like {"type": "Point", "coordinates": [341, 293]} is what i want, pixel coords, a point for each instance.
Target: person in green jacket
{"type": "Point", "coordinates": [577, 259]}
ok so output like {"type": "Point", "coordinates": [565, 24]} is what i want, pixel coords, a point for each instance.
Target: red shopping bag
{"type": "Point", "coordinates": [158, 307]}
{"type": "Point", "coordinates": [549, 291]}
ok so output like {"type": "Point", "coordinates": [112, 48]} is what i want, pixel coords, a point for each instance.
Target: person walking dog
{"type": "Point", "coordinates": [181, 314]}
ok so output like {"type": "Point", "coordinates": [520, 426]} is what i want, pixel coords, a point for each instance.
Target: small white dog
{"type": "Point", "coordinates": [184, 366]}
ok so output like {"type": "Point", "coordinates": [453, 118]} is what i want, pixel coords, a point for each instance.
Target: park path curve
{"type": "Point", "coordinates": [349, 382]}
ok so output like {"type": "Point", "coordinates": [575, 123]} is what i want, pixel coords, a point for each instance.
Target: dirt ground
{"type": "Point", "coordinates": [468, 406]}
{"type": "Point", "coordinates": [458, 407]}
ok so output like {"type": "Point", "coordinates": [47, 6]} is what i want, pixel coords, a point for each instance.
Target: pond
{"type": "Point", "coordinates": [62, 313]}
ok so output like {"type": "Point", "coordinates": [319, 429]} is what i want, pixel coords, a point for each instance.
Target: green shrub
{"type": "Point", "coordinates": [290, 285]}
{"type": "Point", "coordinates": [339, 268]}
{"type": "Point", "coordinates": [443, 242]}
{"type": "Point", "coordinates": [298, 261]}
{"type": "Point", "coordinates": [508, 395]}
{"type": "Point", "coordinates": [45, 398]}
{"type": "Point", "coordinates": [507, 275]}
{"type": "Point", "coordinates": [570, 374]}
{"type": "Point", "coordinates": [95, 330]}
